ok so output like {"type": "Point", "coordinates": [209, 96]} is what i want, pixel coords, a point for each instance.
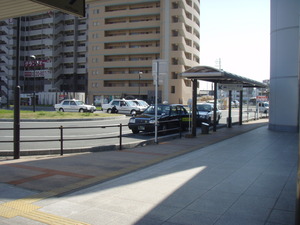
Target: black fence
{"type": "Point", "coordinates": [62, 139]}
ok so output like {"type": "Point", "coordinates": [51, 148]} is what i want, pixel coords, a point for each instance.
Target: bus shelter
{"type": "Point", "coordinates": [224, 79]}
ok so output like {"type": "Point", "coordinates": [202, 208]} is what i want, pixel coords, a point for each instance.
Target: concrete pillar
{"type": "Point", "coordinates": [284, 77]}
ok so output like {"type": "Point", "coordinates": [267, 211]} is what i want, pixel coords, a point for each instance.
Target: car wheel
{"type": "Point", "coordinates": [81, 110]}
{"type": "Point", "coordinates": [109, 111]}
{"type": "Point", "coordinates": [218, 121]}
{"type": "Point", "coordinates": [209, 121]}
{"type": "Point", "coordinates": [135, 131]}
{"type": "Point", "coordinates": [133, 112]}
{"type": "Point", "coordinates": [61, 110]}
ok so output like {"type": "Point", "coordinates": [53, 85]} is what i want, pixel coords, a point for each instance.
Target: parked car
{"type": "Point", "coordinates": [205, 113]}
{"type": "Point", "coordinates": [168, 116]}
{"type": "Point", "coordinates": [73, 105]}
{"type": "Point", "coordinates": [263, 107]}
{"type": "Point", "coordinates": [235, 104]}
{"type": "Point", "coordinates": [141, 104]}
{"type": "Point", "coordinates": [123, 106]}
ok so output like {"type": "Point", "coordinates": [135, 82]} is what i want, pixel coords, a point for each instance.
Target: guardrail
{"type": "Point", "coordinates": [62, 139]}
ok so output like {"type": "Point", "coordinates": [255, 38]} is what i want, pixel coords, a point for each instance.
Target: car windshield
{"type": "Point", "coordinates": [131, 103]}
{"type": "Point", "coordinates": [206, 108]}
{"type": "Point", "coordinates": [80, 102]}
{"type": "Point", "coordinates": [141, 103]}
{"type": "Point", "coordinates": [161, 110]}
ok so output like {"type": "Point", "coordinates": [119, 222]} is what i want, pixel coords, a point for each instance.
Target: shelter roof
{"type": "Point", "coordinates": [207, 73]}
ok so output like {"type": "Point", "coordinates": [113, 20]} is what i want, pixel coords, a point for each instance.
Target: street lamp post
{"type": "Point", "coordinates": [140, 74]}
{"type": "Point", "coordinates": [34, 101]}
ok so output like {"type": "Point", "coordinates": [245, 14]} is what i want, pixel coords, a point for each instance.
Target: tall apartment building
{"type": "Point", "coordinates": [58, 42]}
{"type": "Point", "coordinates": [126, 36]}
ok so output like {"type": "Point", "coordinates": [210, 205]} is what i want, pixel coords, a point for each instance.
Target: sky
{"type": "Point", "coordinates": [236, 33]}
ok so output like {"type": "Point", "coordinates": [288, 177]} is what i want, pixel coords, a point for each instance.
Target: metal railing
{"type": "Point", "coordinates": [61, 138]}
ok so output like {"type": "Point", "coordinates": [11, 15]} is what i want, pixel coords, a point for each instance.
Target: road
{"type": "Point", "coordinates": [77, 130]}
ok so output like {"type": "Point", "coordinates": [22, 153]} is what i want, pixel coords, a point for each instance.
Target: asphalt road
{"type": "Point", "coordinates": [76, 130]}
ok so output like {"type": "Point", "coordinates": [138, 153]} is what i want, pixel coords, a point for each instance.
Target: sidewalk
{"type": "Point", "coordinates": [240, 175]}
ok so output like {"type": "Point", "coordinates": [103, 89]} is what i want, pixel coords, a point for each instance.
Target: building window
{"type": "Point", "coordinates": [96, 11]}
{"type": "Point", "coordinates": [173, 89]}
{"type": "Point", "coordinates": [174, 76]}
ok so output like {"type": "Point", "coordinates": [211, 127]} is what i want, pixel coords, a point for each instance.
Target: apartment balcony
{"type": "Point", "coordinates": [128, 51]}
{"type": "Point", "coordinates": [81, 60]}
{"type": "Point", "coordinates": [132, 25]}
{"type": "Point", "coordinates": [82, 27]}
{"type": "Point", "coordinates": [68, 60]}
{"type": "Point", "coordinates": [5, 29]}
{"type": "Point", "coordinates": [8, 51]}
{"type": "Point", "coordinates": [82, 38]}
{"type": "Point", "coordinates": [69, 27]}
{"type": "Point", "coordinates": [68, 17]}
{"type": "Point", "coordinates": [8, 62]}
{"type": "Point", "coordinates": [177, 68]}
{"type": "Point", "coordinates": [57, 73]}
{"type": "Point", "coordinates": [81, 49]}
{"type": "Point", "coordinates": [48, 75]}
{"type": "Point", "coordinates": [81, 71]}
{"type": "Point", "coordinates": [68, 49]}
{"type": "Point", "coordinates": [58, 29]}
{"type": "Point", "coordinates": [135, 12]}
{"type": "Point", "coordinates": [117, 64]}
{"type": "Point", "coordinates": [68, 71]}
{"type": "Point", "coordinates": [7, 71]}
{"type": "Point", "coordinates": [39, 21]}
{"type": "Point", "coordinates": [48, 53]}
{"type": "Point", "coordinates": [181, 28]}
{"type": "Point", "coordinates": [124, 38]}
{"type": "Point", "coordinates": [7, 40]}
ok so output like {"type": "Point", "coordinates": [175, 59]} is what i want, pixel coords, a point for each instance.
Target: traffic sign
{"type": "Point", "coordinates": [230, 87]}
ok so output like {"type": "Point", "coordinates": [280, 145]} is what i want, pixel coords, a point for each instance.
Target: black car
{"type": "Point", "coordinates": [168, 117]}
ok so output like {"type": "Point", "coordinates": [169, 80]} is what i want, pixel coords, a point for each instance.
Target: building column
{"type": "Point", "coordinates": [284, 77]}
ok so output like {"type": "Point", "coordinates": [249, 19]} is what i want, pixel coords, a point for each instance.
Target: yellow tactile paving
{"type": "Point", "coordinates": [51, 219]}
{"type": "Point", "coordinates": [15, 208]}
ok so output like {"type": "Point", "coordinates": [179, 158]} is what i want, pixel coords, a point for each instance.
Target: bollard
{"type": "Point", "coordinates": [205, 128]}
{"type": "Point", "coordinates": [61, 140]}
{"type": "Point", "coordinates": [120, 146]}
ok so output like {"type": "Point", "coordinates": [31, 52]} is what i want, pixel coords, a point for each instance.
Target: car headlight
{"type": "Point", "coordinates": [152, 121]}
{"type": "Point", "coordinates": [132, 120]}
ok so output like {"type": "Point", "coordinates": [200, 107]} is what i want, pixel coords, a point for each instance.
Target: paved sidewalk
{"type": "Point", "coordinates": [240, 175]}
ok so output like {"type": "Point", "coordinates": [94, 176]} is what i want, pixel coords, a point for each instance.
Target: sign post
{"type": "Point", "coordinates": [159, 72]}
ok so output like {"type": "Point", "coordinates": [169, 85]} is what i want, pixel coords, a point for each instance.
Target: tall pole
{"type": "Point", "coordinates": [17, 99]}
{"type": "Point", "coordinates": [140, 74]}
{"type": "Point", "coordinates": [34, 101]}
{"type": "Point", "coordinates": [156, 96]}
{"type": "Point", "coordinates": [194, 108]}
{"type": "Point", "coordinates": [34, 64]}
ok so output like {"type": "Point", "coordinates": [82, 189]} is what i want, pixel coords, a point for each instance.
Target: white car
{"type": "Point", "coordinates": [73, 105]}
{"type": "Point", "coordinates": [263, 107]}
{"type": "Point", "coordinates": [123, 106]}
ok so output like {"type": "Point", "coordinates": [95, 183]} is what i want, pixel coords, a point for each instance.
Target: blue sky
{"type": "Point", "coordinates": [238, 33]}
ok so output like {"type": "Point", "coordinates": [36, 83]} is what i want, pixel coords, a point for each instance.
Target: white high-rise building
{"type": "Point", "coordinates": [53, 48]}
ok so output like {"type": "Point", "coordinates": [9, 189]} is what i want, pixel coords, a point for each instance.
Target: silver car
{"type": "Point", "coordinates": [205, 113]}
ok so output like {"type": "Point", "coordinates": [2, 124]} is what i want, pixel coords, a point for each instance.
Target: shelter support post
{"type": "Point", "coordinates": [241, 108]}
{"type": "Point", "coordinates": [215, 106]}
{"type": "Point", "coordinates": [194, 115]}
{"type": "Point", "coordinates": [229, 119]}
